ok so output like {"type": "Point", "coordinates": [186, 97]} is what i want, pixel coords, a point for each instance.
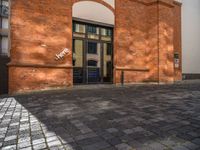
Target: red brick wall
{"type": "Point", "coordinates": [35, 23]}
{"type": "Point", "coordinates": [147, 32]}
{"type": "Point", "coordinates": [152, 38]}
{"type": "Point", "coordinates": [37, 78]}
{"type": "Point", "coordinates": [144, 40]}
{"type": "Point", "coordinates": [166, 45]}
{"type": "Point", "coordinates": [130, 40]}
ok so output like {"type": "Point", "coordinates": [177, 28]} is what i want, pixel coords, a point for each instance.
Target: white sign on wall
{"type": "Point", "coordinates": [62, 54]}
{"type": "Point", "coordinates": [176, 60]}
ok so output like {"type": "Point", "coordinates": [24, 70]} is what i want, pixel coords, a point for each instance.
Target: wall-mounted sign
{"type": "Point", "coordinates": [62, 54]}
{"type": "Point", "coordinates": [176, 60]}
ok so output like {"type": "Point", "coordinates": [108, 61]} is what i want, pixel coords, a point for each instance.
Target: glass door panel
{"type": "Point", "coordinates": [107, 62]}
{"type": "Point", "coordinates": [78, 70]}
{"type": "Point", "coordinates": [93, 58]}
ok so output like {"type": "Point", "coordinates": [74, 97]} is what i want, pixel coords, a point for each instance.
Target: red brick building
{"type": "Point", "coordinates": [143, 44]}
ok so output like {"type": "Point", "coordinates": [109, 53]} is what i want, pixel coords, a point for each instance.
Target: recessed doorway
{"type": "Point", "coordinates": [92, 53]}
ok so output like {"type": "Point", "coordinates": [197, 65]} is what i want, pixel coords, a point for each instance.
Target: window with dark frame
{"type": "Point", "coordinates": [92, 29]}
{"type": "Point", "coordinates": [4, 11]}
{"type": "Point", "coordinates": [78, 28]}
{"type": "Point", "coordinates": [92, 48]}
{"type": "Point", "coordinates": [109, 49]}
{"type": "Point", "coordinates": [98, 41]}
{"type": "Point", "coordinates": [4, 18]}
{"type": "Point", "coordinates": [106, 32]}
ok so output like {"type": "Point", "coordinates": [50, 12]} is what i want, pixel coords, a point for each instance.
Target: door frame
{"type": "Point", "coordinates": [85, 41]}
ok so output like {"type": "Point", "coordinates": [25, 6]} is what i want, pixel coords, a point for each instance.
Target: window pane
{"type": "Point", "coordinates": [4, 45]}
{"type": "Point", "coordinates": [109, 49]}
{"type": "Point", "coordinates": [5, 23]}
{"type": "Point", "coordinates": [4, 10]}
{"type": "Point", "coordinates": [78, 53]}
{"type": "Point", "coordinates": [106, 32]}
{"type": "Point", "coordinates": [92, 48]}
{"type": "Point", "coordinates": [93, 32]}
{"type": "Point", "coordinates": [79, 28]}
{"type": "Point", "coordinates": [107, 64]}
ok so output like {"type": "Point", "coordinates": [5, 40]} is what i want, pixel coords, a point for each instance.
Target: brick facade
{"type": "Point", "coordinates": [39, 31]}
{"type": "Point", "coordinates": [147, 32]}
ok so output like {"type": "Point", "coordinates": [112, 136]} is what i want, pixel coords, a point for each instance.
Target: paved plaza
{"type": "Point", "coordinates": [144, 117]}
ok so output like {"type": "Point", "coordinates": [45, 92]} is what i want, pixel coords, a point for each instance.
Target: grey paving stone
{"type": "Point", "coordinates": [9, 147]}
{"type": "Point", "coordinates": [180, 148]}
{"type": "Point", "coordinates": [138, 129]}
{"type": "Point", "coordinates": [9, 138]}
{"type": "Point", "coordinates": [24, 139]}
{"type": "Point", "coordinates": [112, 130]}
{"type": "Point", "coordinates": [90, 141]}
{"type": "Point", "coordinates": [196, 141]}
{"type": "Point", "coordinates": [114, 141]}
{"type": "Point", "coordinates": [191, 145]}
{"type": "Point", "coordinates": [38, 141]}
{"type": "Point", "coordinates": [123, 146]}
{"type": "Point", "coordinates": [27, 148]}
{"type": "Point", "coordinates": [168, 116]}
{"type": "Point", "coordinates": [54, 143]}
{"type": "Point", "coordinates": [96, 146]}
{"type": "Point", "coordinates": [145, 148]}
{"type": "Point", "coordinates": [128, 131]}
{"type": "Point", "coordinates": [39, 146]}
{"type": "Point", "coordinates": [53, 138]}
{"type": "Point", "coordinates": [157, 146]}
{"type": "Point", "coordinates": [85, 136]}
{"type": "Point", "coordinates": [23, 145]}
{"type": "Point", "coordinates": [106, 135]}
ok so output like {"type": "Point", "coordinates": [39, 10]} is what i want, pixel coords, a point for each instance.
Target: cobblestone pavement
{"type": "Point", "coordinates": [165, 117]}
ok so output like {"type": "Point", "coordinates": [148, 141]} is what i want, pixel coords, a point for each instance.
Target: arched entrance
{"type": "Point", "coordinates": [93, 23]}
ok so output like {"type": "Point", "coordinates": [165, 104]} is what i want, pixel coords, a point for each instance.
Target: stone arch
{"type": "Point", "coordinates": [98, 1]}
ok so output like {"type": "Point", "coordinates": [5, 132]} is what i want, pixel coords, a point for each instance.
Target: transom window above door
{"type": "Point", "coordinates": [92, 32]}
{"type": "Point", "coordinates": [79, 28]}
